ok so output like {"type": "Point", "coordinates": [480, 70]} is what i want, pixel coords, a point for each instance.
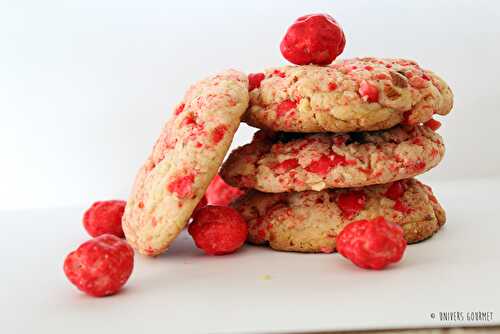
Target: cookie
{"type": "Point", "coordinates": [184, 160]}
{"type": "Point", "coordinates": [310, 221]}
{"type": "Point", "coordinates": [282, 162]}
{"type": "Point", "coordinates": [361, 94]}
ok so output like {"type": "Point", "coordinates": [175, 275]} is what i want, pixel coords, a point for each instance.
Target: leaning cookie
{"type": "Point", "coordinates": [310, 221]}
{"type": "Point", "coordinates": [184, 160]}
{"type": "Point", "coordinates": [361, 94]}
{"type": "Point", "coordinates": [282, 162]}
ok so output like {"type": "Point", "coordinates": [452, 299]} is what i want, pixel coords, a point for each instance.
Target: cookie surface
{"type": "Point", "coordinates": [282, 162]}
{"type": "Point", "coordinates": [310, 221]}
{"type": "Point", "coordinates": [184, 160]}
{"type": "Point", "coordinates": [360, 94]}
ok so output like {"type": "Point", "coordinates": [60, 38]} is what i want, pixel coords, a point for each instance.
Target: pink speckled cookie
{"type": "Point", "coordinates": [282, 162]}
{"type": "Point", "coordinates": [310, 221]}
{"type": "Point", "coordinates": [361, 94]}
{"type": "Point", "coordinates": [184, 160]}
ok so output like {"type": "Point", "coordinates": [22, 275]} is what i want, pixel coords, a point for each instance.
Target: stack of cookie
{"type": "Point", "coordinates": [337, 144]}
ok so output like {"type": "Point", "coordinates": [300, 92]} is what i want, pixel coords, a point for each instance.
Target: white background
{"type": "Point", "coordinates": [85, 86]}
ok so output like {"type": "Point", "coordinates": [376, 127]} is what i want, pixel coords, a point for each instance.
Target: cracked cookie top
{"type": "Point", "coordinates": [281, 162]}
{"type": "Point", "coordinates": [360, 94]}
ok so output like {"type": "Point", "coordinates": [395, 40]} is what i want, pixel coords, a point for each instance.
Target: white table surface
{"type": "Point", "coordinates": [184, 291]}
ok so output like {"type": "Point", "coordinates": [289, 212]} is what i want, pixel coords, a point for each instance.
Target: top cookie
{"type": "Point", "coordinates": [184, 160]}
{"type": "Point", "coordinates": [360, 94]}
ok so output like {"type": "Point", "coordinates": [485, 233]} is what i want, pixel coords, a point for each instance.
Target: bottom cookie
{"type": "Point", "coordinates": [310, 221]}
